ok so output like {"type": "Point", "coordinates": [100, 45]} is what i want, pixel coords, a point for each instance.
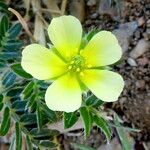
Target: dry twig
{"type": "Point", "coordinates": [23, 22]}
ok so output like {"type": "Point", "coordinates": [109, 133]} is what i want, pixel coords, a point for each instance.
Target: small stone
{"type": "Point", "coordinates": [131, 62]}
{"type": "Point", "coordinates": [94, 16]}
{"type": "Point", "coordinates": [91, 2]}
{"type": "Point", "coordinates": [148, 23]}
{"type": "Point", "coordinates": [140, 84]}
{"type": "Point", "coordinates": [141, 47]}
{"type": "Point", "coordinates": [141, 21]}
{"type": "Point", "coordinates": [142, 61]}
{"type": "Point", "coordinates": [124, 33]}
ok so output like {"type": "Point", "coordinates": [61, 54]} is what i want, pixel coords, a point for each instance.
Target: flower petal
{"type": "Point", "coordinates": [106, 85]}
{"type": "Point", "coordinates": [103, 49]}
{"type": "Point", "coordinates": [64, 94]}
{"type": "Point", "coordinates": [41, 63]}
{"type": "Point", "coordinates": [65, 32]}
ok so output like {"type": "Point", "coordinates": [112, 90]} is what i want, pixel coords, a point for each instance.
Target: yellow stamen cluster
{"type": "Point", "coordinates": [78, 64]}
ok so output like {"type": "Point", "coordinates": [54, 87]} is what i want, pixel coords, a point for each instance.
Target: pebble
{"type": "Point", "coordinates": [94, 16]}
{"type": "Point", "coordinates": [142, 61]}
{"type": "Point", "coordinates": [140, 84]}
{"type": "Point", "coordinates": [131, 62]}
{"type": "Point", "coordinates": [148, 23]}
{"type": "Point", "coordinates": [124, 32]}
{"type": "Point", "coordinates": [141, 21]}
{"type": "Point", "coordinates": [141, 47]}
{"type": "Point", "coordinates": [91, 2]}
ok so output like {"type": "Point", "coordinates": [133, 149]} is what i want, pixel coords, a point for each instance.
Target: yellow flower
{"type": "Point", "coordinates": [71, 67]}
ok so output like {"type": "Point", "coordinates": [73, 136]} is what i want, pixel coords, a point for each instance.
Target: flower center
{"type": "Point", "coordinates": [77, 63]}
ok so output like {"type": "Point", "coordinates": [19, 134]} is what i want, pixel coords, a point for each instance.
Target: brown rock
{"type": "Point", "coordinates": [141, 47]}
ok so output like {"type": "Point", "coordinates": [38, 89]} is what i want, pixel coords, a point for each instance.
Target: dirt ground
{"type": "Point", "coordinates": [134, 103]}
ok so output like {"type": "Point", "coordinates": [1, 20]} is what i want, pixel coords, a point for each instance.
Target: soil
{"type": "Point", "coordinates": [134, 103]}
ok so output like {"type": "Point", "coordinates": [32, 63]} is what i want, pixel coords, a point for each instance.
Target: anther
{"type": "Point", "coordinates": [81, 74]}
{"type": "Point", "coordinates": [70, 67]}
{"type": "Point", "coordinates": [89, 65]}
{"type": "Point", "coordinates": [72, 62]}
{"type": "Point", "coordinates": [81, 51]}
{"type": "Point", "coordinates": [78, 69]}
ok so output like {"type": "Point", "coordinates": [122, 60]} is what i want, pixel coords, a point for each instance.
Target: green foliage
{"type": "Point", "coordinates": [5, 122]}
{"type": "Point", "coordinates": [87, 120]}
{"type": "Point", "coordinates": [51, 115]}
{"type": "Point", "coordinates": [1, 98]}
{"type": "Point", "coordinates": [4, 25]}
{"type": "Point", "coordinates": [94, 101]}
{"type": "Point", "coordinates": [103, 125]}
{"type": "Point", "coordinates": [3, 8]}
{"type": "Point", "coordinates": [43, 134]}
{"type": "Point", "coordinates": [28, 143]}
{"type": "Point", "coordinates": [8, 79]}
{"type": "Point", "coordinates": [122, 134]}
{"type": "Point", "coordinates": [18, 137]}
{"type": "Point", "coordinates": [19, 71]}
{"type": "Point", "coordinates": [39, 118]}
{"type": "Point", "coordinates": [70, 119]}
{"type": "Point", "coordinates": [28, 90]}
{"type": "Point", "coordinates": [9, 43]}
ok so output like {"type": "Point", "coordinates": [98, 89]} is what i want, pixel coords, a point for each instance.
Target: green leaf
{"type": "Point", "coordinates": [14, 30]}
{"type": "Point", "coordinates": [13, 45]}
{"type": "Point", "coordinates": [1, 106]}
{"type": "Point", "coordinates": [81, 146]}
{"type": "Point", "coordinates": [91, 34]}
{"type": "Point", "coordinates": [1, 98]}
{"type": "Point", "coordinates": [3, 8]}
{"type": "Point", "coordinates": [31, 101]}
{"type": "Point", "coordinates": [18, 137]}
{"type": "Point", "coordinates": [125, 128]}
{"type": "Point", "coordinates": [8, 79]}
{"type": "Point", "coordinates": [4, 24]}
{"type": "Point", "coordinates": [28, 143]}
{"type": "Point", "coordinates": [70, 119]}
{"type": "Point", "coordinates": [28, 90]}
{"type": "Point", "coordinates": [19, 106]}
{"type": "Point", "coordinates": [5, 125]}
{"type": "Point", "coordinates": [122, 134]}
{"type": "Point", "coordinates": [19, 71]}
{"type": "Point", "coordinates": [28, 119]}
{"type": "Point", "coordinates": [93, 101]}
{"type": "Point", "coordinates": [47, 144]}
{"type": "Point", "coordinates": [14, 92]}
{"type": "Point", "coordinates": [2, 64]}
{"type": "Point", "coordinates": [103, 125]}
{"type": "Point", "coordinates": [8, 55]}
{"type": "Point", "coordinates": [39, 118]}
{"type": "Point", "coordinates": [43, 133]}
{"type": "Point", "coordinates": [87, 120]}
{"type": "Point", "coordinates": [49, 113]}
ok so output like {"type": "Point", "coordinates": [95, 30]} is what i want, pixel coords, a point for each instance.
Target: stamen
{"type": "Point", "coordinates": [81, 51]}
{"type": "Point", "coordinates": [78, 69]}
{"type": "Point", "coordinates": [70, 67]}
{"type": "Point", "coordinates": [72, 62]}
{"type": "Point", "coordinates": [81, 74]}
{"type": "Point", "coordinates": [89, 65]}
